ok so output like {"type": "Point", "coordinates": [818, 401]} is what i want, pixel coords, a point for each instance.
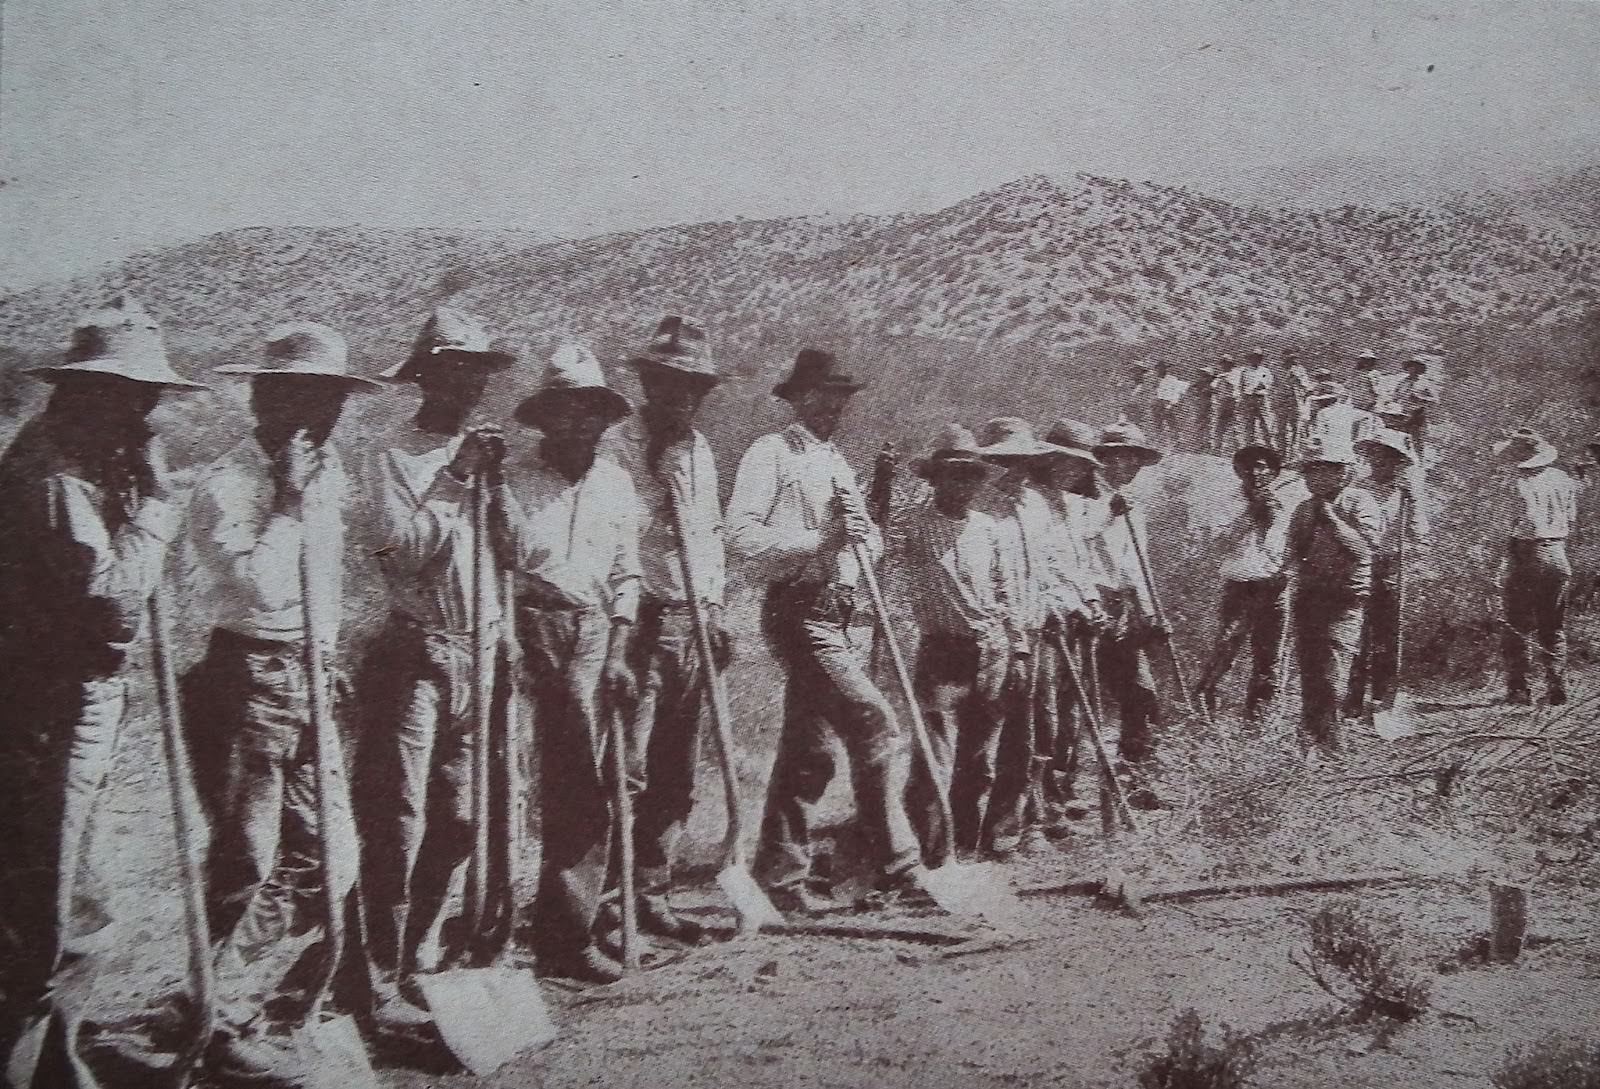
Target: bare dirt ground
{"type": "Point", "coordinates": [1089, 989]}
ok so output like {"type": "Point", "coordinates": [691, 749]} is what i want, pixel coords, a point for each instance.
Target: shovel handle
{"type": "Point", "coordinates": [628, 892]}
{"type": "Point", "coordinates": [1161, 618]}
{"type": "Point", "coordinates": [324, 748]}
{"type": "Point", "coordinates": [187, 826]}
{"type": "Point", "coordinates": [716, 693]}
{"type": "Point", "coordinates": [1091, 724]}
{"type": "Point", "coordinates": [477, 886]}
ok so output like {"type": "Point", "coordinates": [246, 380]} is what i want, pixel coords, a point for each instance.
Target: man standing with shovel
{"type": "Point", "coordinates": [671, 463]}
{"type": "Point", "coordinates": [268, 537]}
{"type": "Point", "coordinates": [90, 511]}
{"type": "Point", "coordinates": [796, 518]}
{"type": "Point", "coordinates": [417, 687]}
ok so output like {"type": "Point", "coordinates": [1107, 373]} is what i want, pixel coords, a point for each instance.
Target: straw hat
{"type": "Point", "coordinates": [1418, 362]}
{"type": "Point", "coordinates": [1366, 360]}
{"type": "Point", "coordinates": [1076, 439]}
{"type": "Point", "coordinates": [450, 336]}
{"type": "Point", "coordinates": [1126, 437]}
{"type": "Point", "coordinates": [1319, 451]}
{"type": "Point", "coordinates": [1329, 391]}
{"type": "Point", "coordinates": [1387, 438]}
{"type": "Point", "coordinates": [304, 349]}
{"type": "Point", "coordinates": [815, 368]}
{"type": "Point", "coordinates": [121, 340]}
{"type": "Point", "coordinates": [954, 449]}
{"type": "Point", "coordinates": [679, 346]}
{"type": "Point", "coordinates": [1012, 437]}
{"type": "Point", "coordinates": [1257, 452]}
{"type": "Point", "coordinates": [1525, 448]}
{"type": "Point", "coordinates": [572, 380]}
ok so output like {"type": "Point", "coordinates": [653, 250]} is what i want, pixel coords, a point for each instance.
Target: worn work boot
{"type": "Point", "coordinates": [586, 965]}
{"type": "Point", "coordinates": [1555, 692]}
{"type": "Point", "coordinates": [393, 1012]}
{"type": "Point", "coordinates": [802, 899]}
{"type": "Point", "coordinates": [255, 1060]}
{"type": "Point", "coordinates": [657, 917]}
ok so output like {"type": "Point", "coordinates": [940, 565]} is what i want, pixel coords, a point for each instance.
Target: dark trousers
{"type": "Point", "coordinates": [828, 692]}
{"type": "Point", "coordinates": [1377, 667]}
{"type": "Point", "coordinates": [1255, 612]}
{"type": "Point", "coordinates": [415, 789]}
{"type": "Point", "coordinates": [664, 744]}
{"type": "Point", "coordinates": [1535, 604]}
{"type": "Point", "coordinates": [967, 731]}
{"type": "Point", "coordinates": [1128, 678]}
{"type": "Point", "coordinates": [1063, 713]}
{"type": "Point", "coordinates": [565, 651]}
{"type": "Point", "coordinates": [1327, 632]}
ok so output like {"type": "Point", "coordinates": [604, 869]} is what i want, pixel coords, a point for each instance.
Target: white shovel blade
{"type": "Point", "coordinates": [488, 1016]}
{"type": "Point", "coordinates": [978, 889]}
{"type": "Point", "coordinates": [749, 899]}
{"type": "Point", "coordinates": [332, 1055]}
{"type": "Point", "coordinates": [1393, 723]}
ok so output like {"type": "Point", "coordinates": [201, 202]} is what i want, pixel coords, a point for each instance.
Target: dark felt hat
{"type": "Point", "coordinates": [815, 368]}
{"type": "Point", "coordinates": [573, 380]}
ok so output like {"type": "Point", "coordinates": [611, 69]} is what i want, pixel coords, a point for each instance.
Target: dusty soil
{"type": "Point", "coordinates": [1089, 989]}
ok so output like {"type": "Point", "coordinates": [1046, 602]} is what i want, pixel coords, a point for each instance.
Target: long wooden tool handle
{"type": "Point", "coordinates": [324, 748]}
{"type": "Point", "coordinates": [512, 842]}
{"type": "Point", "coordinates": [919, 729]}
{"type": "Point", "coordinates": [628, 891]}
{"type": "Point", "coordinates": [1400, 584]}
{"type": "Point", "coordinates": [188, 826]}
{"type": "Point", "coordinates": [1091, 722]}
{"type": "Point", "coordinates": [716, 693]}
{"type": "Point", "coordinates": [1178, 673]}
{"type": "Point", "coordinates": [477, 888]}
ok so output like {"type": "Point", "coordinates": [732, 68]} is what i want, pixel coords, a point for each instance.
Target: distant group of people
{"type": "Point", "coordinates": [588, 569]}
{"type": "Point", "coordinates": [1240, 403]}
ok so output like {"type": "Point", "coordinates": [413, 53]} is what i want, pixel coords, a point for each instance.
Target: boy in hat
{"type": "Point", "coordinates": [1205, 408]}
{"type": "Point", "coordinates": [950, 573]}
{"type": "Point", "coordinates": [567, 523]}
{"type": "Point", "coordinates": [1294, 396]}
{"type": "Point", "coordinates": [1253, 609]}
{"type": "Point", "coordinates": [416, 687]}
{"type": "Point", "coordinates": [798, 521]}
{"type": "Point", "coordinates": [1136, 404]}
{"type": "Point", "coordinates": [1392, 483]}
{"type": "Point", "coordinates": [1164, 410]}
{"type": "Point", "coordinates": [1536, 514]}
{"type": "Point", "coordinates": [1226, 391]}
{"type": "Point", "coordinates": [671, 462]}
{"type": "Point", "coordinates": [1335, 422]}
{"type": "Point", "coordinates": [90, 512]}
{"type": "Point", "coordinates": [1128, 597]}
{"type": "Point", "coordinates": [1331, 540]}
{"type": "Point", "coordinates": [1255, 400]}
{"type": "Point", "coordinates": [1415, 395]}
{"type": "Point", "coordinates": [275, 498]}
{"type": "Point", "coordinates": [1368, 384]}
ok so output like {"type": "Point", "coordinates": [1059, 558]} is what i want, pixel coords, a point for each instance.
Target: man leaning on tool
{"type": "Point", "coordinates": [567, 523]}
{"type": "Point", "coordinates": [90, 509]}
{"type": "Point", "coordinates": [798, 520]}
{"type": "Point", "coordinates": [416, 686]}
{"type": "Point", "coordinates": [281, 490]}
{"type": "Point", "coordinates": [666, 457]}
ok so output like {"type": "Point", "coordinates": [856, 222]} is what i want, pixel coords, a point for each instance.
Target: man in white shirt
{"type": "Point", "coordinates": [280, 491]}
{"type": "Point", "coordinates": [416, 687]}
{"type": "Point", "coordinates": [1538, 513]}
{"type": "Point", "coordinates": [797, 519]}
{"type": "Point", "coordinates": [1294, 402]}
{"type": "Point", "coordinates": [670, 461]}
{"type": "Point", "coordinates": [1392, 481]}
{"type": "Point", "coordinates": [1258, 424]}
{"type": "Point", "coordinates": [1416, 395]}
{"type": "Point", "coordinates": [90, 511]}
{"type": "Point", "coordinates": [1141, 390]}
{"type": "Point", "coordinates": [1165, 418]}
{"type": "Point", "coordinates": [1226, 408]}
{"type": "Point", "coordinates": [1335, 421]}
{"type": "Point", "coordinates": [567, 523]}
{"type": "Point", "coordinates": [1253, 609]}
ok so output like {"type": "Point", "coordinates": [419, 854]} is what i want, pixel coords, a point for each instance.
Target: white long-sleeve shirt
{"type": "Point", "coordinates": [1539, 505]}
{"type": "Point", "coordinates": [689, 468]}
{"type": "Point", "coordinates": [1118, 564]}
{"type": "Point", "coordinates": [951, 572]}
{"type": "Point", "coordinates": [250, 552]}
{"type": "Point", "coordinates": [781, 502]}
{"type": "Point", "coordinates": [1252, 552]}
{"type": "Point", "coordinates": [576, 542]}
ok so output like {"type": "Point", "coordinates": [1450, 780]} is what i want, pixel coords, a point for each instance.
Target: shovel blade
{"type": "Point", "coordinates": [749, 899]}
{"type": "Point", "coordinates": [332, 1055]}
{"type": "Point", "coordinates": [1393, 723]}
{"type": "Point", "coordinates": [488, 1016]}
{"type": "Point", "coordinates": [977, 889]}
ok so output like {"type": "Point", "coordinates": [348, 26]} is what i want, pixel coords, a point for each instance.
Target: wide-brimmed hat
{"type": "Point", "coordinates": [1255, 353]}
{"type": "Point", "coordinates": [815, 368]}
{"type": "Point", "coordinates": [573, 380]}
{"type": "Point", "coordinates": [305, 350]}
{"type": "Point", "coordinates": [1318, 450]}
{"type": "Point", "coordinates": [1257, 452]}
{"type": "Point", "coordinates": [1139, 365]}
{"type": "Point", "coordinates": [1417, 361]}
{"type": "Point", "coordinates": [1227, 360]}
{"type": "Point", "coordinates": [119, 339]}
{"type": "Point", "coordinates": [1387, 438]}
{"type": "Point", "coordinates": [1367, 357]}
{"type": "Point", "coordinates": [955, 449]}
{"type": "Point", "coordinates": [1323, 374]}
{"type": "Point", "coordinates": [1525, 448]}
{"type": "Point", "coordinates": [450, 336]}
{"type": "Point", "coordinates": [1076, 438]}
{"type": "Point", "coordinates": [679, 347]}
{"type": "Point", "coordinates": [1125, 437]}
{"type": "Point", "coordinates": [1012, 438]}
{"type": "Point", "coordinates": [1328, 391]}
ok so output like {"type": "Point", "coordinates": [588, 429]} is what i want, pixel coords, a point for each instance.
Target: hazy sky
{"type": "Point", "coordinates": [131, 123]}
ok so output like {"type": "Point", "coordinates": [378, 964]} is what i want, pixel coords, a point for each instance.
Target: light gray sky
{"type": "Point", "coordinates": [131, 123]}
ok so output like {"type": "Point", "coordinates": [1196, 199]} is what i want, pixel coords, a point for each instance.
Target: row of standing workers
{"type": "Point", "coordinates": [596, 585]}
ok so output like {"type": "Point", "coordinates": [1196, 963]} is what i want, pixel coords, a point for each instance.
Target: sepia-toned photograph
{"type": "Point", "coordinates": [797, 544]}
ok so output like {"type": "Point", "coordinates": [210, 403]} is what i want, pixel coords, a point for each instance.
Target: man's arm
{"type": "Point", "coordinates": [773, 551]}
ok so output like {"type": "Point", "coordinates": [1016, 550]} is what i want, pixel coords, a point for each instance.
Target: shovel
{"type": "Point", "coordinates": [488, 1015]}
{"type": "Point", "coordinates": [1197, 709]}
{"type": "Point", "coordinates": [958, 888]}
{"type": "Point", "coordinates": [733, 878]}
{"type": "Point", "coordinates": [1393, 721]}
{"type": "Point", "coordinates": [1091, 727]}
{"type": "Point", "coordinates": [331, 1053]}
{"type": "Point", "coordinates": [188, 828]}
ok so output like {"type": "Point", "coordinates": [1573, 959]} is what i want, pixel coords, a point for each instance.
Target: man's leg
{"type": "Point", "coordinates": [1319, 691]}
{"type": "Point", "coordinates": [945, 677]}
{"type": "Point", "coordinates": [1518, 620]}
{"type": "Point", "coordinates": [1551, 606]}
{"type": "Point", "coordinates": [1268, 618]}
{"type": "Point", "coordinates": [1383, 638]}
{"type": "Point", "coordinates": [1231, 634]}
